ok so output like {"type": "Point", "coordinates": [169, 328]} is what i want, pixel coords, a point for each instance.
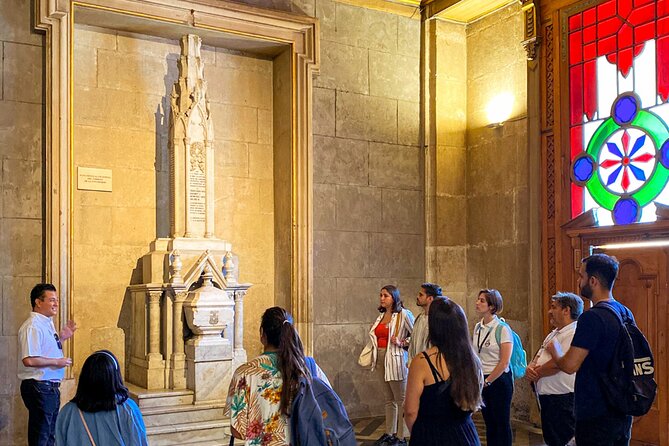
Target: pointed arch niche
{"type": "Point", "coordinates": [288, 40]}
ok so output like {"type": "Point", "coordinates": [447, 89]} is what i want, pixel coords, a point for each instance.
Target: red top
{"type": "Point", "coordinates": [381, 331]}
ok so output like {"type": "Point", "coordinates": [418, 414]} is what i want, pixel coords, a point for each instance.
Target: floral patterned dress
{"type": "Point", "coordinates": [254, 403]}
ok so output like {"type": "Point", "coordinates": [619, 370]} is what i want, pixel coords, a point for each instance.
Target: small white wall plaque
{"type": "Point", "coordinates": [90, 178]}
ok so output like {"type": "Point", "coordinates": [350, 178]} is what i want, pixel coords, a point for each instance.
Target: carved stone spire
{"type": "Point", "coordinates": [191, 150]}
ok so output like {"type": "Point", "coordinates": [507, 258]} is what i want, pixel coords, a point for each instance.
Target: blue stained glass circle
{"type": "Point", "coordinates": [625, 109]}
{"type": "Point", "coordinates": [664, 154]}
{"type": "Point", "coordinates": [625, 211]}
{"type": "Point", "coordinates": [583, 167]}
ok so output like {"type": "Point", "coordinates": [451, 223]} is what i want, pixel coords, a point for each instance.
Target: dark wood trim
{"type": "Point", "coordinates": [565, 241]}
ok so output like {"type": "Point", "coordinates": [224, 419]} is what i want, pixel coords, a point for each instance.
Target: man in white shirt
{"type": "Point", "coordinates": [41, 365]}
{"type": "Point", "coordinates": [419, 341]}
{"type": "Point", "coordinates": [555, 389]}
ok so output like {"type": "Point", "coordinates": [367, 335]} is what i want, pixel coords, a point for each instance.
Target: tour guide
{"type": "Point", "coordinates": [42, 365]}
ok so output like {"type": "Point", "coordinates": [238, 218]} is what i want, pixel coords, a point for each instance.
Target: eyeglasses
{"type": "Point", "coordinates": [60, 344]}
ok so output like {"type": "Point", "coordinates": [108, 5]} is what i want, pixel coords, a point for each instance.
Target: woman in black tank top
{"type": "Point", "coordinates": [444, 385]}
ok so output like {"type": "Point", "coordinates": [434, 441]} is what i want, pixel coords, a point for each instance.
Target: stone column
{"type": "Point", "coordinates": [178, 377]}
{"type": "Point", "coordinates": [154, 324]}
{"type": "Point", "coordinates": [239, 320]}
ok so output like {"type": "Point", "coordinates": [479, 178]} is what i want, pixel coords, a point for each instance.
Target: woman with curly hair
{"type": "Point", "coordinates": [390, 337]}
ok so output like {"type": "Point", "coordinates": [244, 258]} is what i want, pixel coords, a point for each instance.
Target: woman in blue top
{"type": "Point", "coordinates": [101, 412]}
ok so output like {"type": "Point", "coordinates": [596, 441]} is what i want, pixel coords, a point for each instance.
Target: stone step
{"type": "Point", "coordinates": [209, 432]}
{"type": "Point", "coordinates": [184, 413]}
{"type": "Point", "coordinates": [160, 398]}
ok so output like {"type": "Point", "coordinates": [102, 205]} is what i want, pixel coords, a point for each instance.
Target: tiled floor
{"type": "Point", "coordinates": [367, 430]}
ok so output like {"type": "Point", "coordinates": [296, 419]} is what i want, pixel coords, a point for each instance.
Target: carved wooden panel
{"type": "Point", "coordinates": [549, 77]}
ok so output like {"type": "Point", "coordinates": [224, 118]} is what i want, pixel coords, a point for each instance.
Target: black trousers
{"type": "Point", "coordinates": [42, 399]}
{"type": "Point", "coordinates": [557, 418]}
{"type": "Point", "coordinates": [497, 411]}
{"type": "Point", "coordinates": [608, 430]}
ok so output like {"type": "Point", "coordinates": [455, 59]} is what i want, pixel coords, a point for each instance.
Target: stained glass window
{"type": "Point", "coordinates": [618, 109]}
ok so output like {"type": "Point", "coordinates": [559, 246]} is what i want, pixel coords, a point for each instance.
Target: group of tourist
{"type": "Point", "coordinates": [447, 377]}
{"type": "Point", "coordinates": [435, 375]}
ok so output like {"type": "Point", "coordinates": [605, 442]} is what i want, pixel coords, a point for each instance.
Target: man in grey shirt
{"type": "Point", "coordinates": [419, 336]}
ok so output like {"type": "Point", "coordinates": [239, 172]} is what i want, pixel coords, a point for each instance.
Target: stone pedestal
{"type": "Point", "coordinates": [210, 315]}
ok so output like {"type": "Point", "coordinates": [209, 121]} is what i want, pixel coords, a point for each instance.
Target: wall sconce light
{"type": "Point", "coordinates": [499, 109]}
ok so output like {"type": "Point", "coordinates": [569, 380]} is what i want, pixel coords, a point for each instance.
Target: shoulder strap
{"type": "Point", "coordinates": [83, 420]}
{"type": "Point", "coordinates": [498, 331]}
{"type": "Point", "coordinates": [311, 365]}
{"type": "Point", "coordinates": [435, 373]}
{"type": "Point", "coordinates": [611, 309]}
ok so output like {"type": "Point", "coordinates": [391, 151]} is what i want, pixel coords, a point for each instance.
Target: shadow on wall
{"type": "Point", "coordinates": [162, 161]}
{"type": "Point", "coordinates": [125, 316]}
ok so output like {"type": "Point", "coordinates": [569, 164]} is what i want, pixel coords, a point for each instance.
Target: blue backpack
{"type": "Point", "coordinates": [318, 417]}
{"type": "Point", "coordinates": [518, 362]}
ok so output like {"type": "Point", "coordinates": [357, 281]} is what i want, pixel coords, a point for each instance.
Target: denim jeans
{"type": "Point", "coordinates": [557, 418]}
{"type": "Point", "coordinates": [42, 399]}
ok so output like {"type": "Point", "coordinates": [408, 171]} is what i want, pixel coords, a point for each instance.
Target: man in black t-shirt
{"type": "Point", "coordinates": [590, 355]}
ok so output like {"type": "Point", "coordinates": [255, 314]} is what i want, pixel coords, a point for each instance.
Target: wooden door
{"type": "Point", "coordinates": [642, 287]}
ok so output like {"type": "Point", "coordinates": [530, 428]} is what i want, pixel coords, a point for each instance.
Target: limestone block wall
{"type": "Point", "coordinates": [121, 116]}
{"type": "Point", "coordinates": [21, 205]}
{"type": "Point", "coordinates": [447, 247]}
{"type": "Point", "coordinates": [482, 210]}
{"type": "Point", "coordinates": [368, 185]}
{"type": "Point", "coordinates": [498, 252]}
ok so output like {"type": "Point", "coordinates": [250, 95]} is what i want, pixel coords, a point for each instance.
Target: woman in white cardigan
{"type": "Point", "coordinates": [389, 336]}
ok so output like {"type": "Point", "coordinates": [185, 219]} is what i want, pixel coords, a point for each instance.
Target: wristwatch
{"type": "Point", "coordinates": [486, 383]}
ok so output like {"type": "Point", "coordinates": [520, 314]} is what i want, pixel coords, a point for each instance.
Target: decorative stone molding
{"type": "Point", "coordinates": [221, 22]}
{"type": "Point", "coordinates": [531, 39]}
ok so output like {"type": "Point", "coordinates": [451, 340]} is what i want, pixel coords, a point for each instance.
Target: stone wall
{"type": "Point", "coordinates": [481, 191]}
{"type": "Point", "coordinates": [21, 204]}
{"type": "Point", "coordinates": [121, 114]}
{"type": "Point", "coordinates": [368, 185]}
{"type": "Point", "coordinates": [447, 247]}
{"type": "Point", "coordinates": [498, 252]}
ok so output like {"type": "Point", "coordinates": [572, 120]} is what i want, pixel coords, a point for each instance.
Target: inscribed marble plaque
{"type": "Point", "coordinates": [90, 178]}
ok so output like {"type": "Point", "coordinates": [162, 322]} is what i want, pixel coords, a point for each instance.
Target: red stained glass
{"type": "Point", "coordinates": [590, 51]}
{"type": "Point", "coordinates": [590, 88]}
{"type": "Point", "coordinates": [589, 16]}
{"type": "Point", "coordinates": [576, 94]}
{"type": "Point", "coordinates": [624, 7]}
{"type": "Point", "coordinates": [618, 30]}
{"type": "Point", "coordinates": [662, 8]}
{"type": "Point", "coordinates": [625, 59]}
{"type": "Point", "coordinates": [589, 34]}
{"type": "Point", "coordinates": [574, 22]}
{"type": "Point", "coordinates": [625, 37]}
{"type": "Point", "coordinates": [577, 192]}
{"type": "Point", "coordinates": [663, 67]}
{"type": "Point", "coordinates": [606, 10]}
{"type": "Point", "coordinates": [663, 26]}
{"type": "Point", "coordinates": [644, 32]}
{"type": "Point", "coordinates": [643, 14]}
{"type": "Point", "coordinates": [576, 140]}
{"type": "Point", "coordinates": [576, 200]}
{"type": "Point", "coordinates": [575, 48]}
{"type": "Point", "coordinates": [609, 27]}
{"type": "Point", "coordinates": [606, 46]}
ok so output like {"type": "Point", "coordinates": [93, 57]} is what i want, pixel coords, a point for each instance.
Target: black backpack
{"type": "Point", "coordinates": [629, 383]}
